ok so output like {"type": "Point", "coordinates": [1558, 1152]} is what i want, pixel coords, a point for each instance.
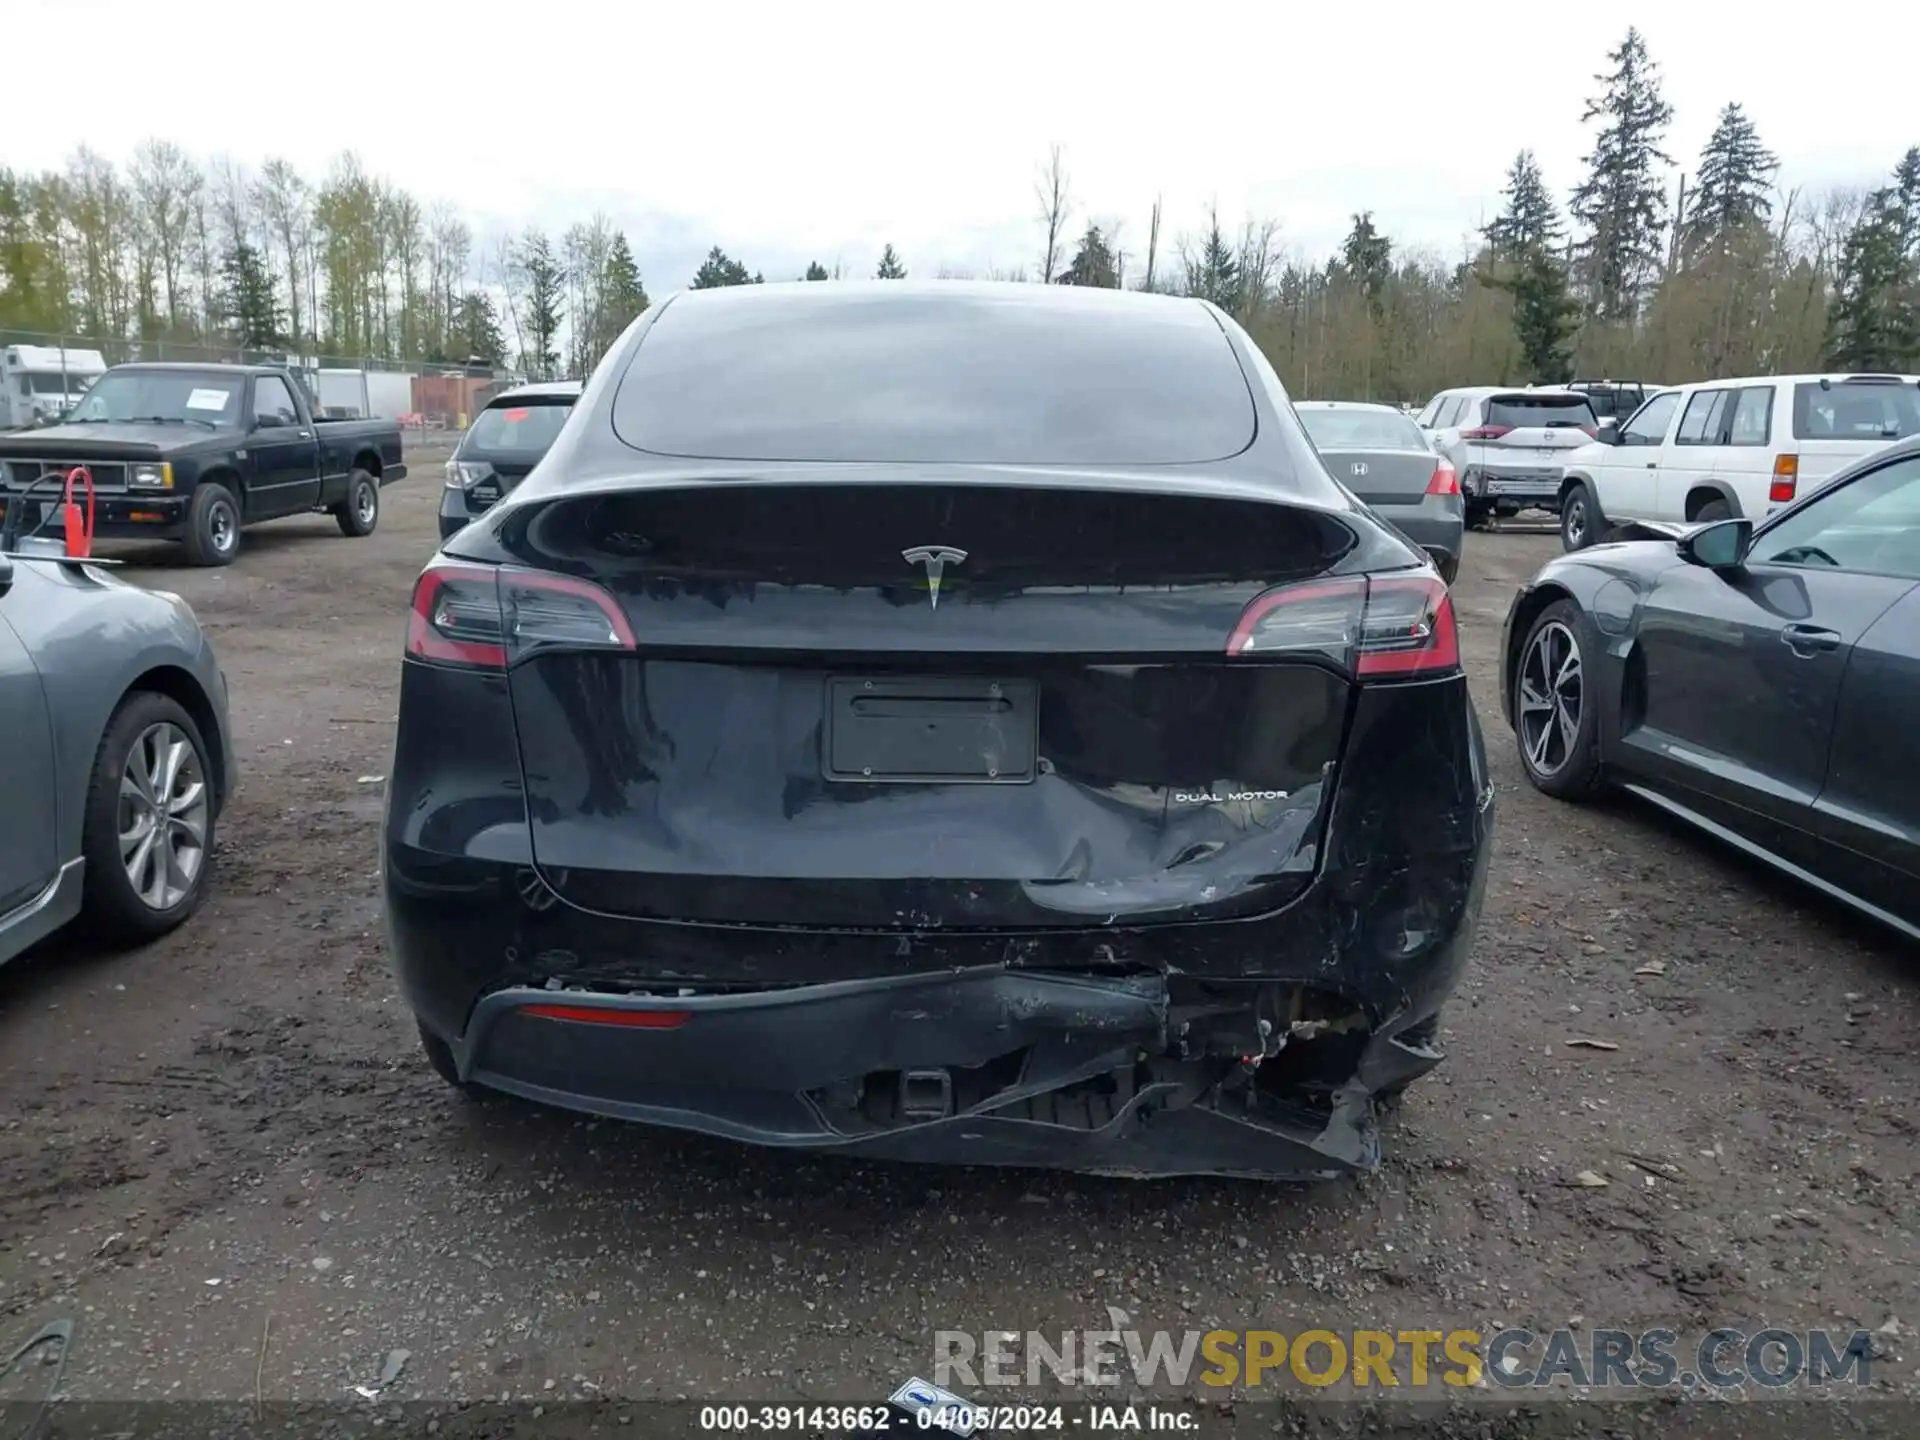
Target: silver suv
{"type": "Point", "coordinates": [1508, 443]}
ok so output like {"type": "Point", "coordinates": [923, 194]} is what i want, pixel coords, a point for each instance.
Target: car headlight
{"type": "Point", "coordinates": [465, 474]}
{"type": "Point", "coordinates": [157, 476]}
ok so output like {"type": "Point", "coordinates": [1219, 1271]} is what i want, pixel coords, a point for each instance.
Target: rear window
{"type": "Point", "coordinates": [1532, 412]}
{"type": "Point", "coordinates": [1614, 402]}
{"type": "Point", "coordinates": [935, 377]}
{"type": "Point", "coordinates": [1851, 410]}
{"type": "Point", "coordinates": [523, 426]}
{"type": "Point", "coordinates": [1361, 430]}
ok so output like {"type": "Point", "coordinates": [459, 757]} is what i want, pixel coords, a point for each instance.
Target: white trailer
{"type": "Point", "coordinates": [40, 383]}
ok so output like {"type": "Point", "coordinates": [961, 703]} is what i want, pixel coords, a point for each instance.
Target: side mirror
{"type": "Point", "coordinates": [1607, 432]}
{"type": "Point", "coordinates": [6, 574]}
{"type": "Point", "coordinates": [1722, 545]}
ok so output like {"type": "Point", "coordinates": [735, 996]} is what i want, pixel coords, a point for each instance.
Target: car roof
{"type": "Point", "coordinates": [567, 388]}
{"type": "Point", "coordinates": [1480, 392]}
{"type": "Point", "coordinates": [1872, 377]}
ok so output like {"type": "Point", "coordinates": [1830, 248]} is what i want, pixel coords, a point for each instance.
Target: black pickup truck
{"type": "Point", "coordinates": [194, 453]}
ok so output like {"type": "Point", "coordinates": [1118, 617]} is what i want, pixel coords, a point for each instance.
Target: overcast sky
{"type": "Point", "coordinates": [788, 132]}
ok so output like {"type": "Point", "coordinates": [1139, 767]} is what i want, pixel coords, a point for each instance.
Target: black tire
{"type": "Point", "coordinates": [359, 513]}
{"type": "Point", "coordinates": [213, 526]}
{"type": "Point", "coordinates": [1580, 522]}
{"type": "Point", "coordinates": [1449, 567]}
{"type": "Point", "coordinates": [1479, 517]}
{"type": "Point", "coordinates": [111, 907]}
{"type": "Point", "coordinates": [1711, 511]}
{"type": "Point", "coordinates": [1566, 770]}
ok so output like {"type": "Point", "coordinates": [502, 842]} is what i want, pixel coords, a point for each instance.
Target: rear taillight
{"type": "Point", "coordinates": [1485, 432]}
{"type": "Point", "coordinates": [486, 617]}
{"type": "Point", "coordinates": [1592, 432]}
{"type": "Point", "coordinates": [1445, 480]}
{"type": "Point", "coordinates": [1786, 479]}
{"type": "Point", "coordinates": [1379, 627]}
{"type": "Point", "coordinates": [608, 1015]}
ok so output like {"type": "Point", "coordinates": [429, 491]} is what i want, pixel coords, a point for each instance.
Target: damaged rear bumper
{"type": "Point", "coordinates": [1133, 1075]}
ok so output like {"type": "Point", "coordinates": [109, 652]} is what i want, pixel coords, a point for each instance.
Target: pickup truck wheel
{"type": "Point", "coordinates": [1579, 518]}
{"type": "Point", "coordinates": [147, 830]}
{"type": "Point", "coordinates": [213, 526]}
{"type": "Point", "coordinates": [360, 511]}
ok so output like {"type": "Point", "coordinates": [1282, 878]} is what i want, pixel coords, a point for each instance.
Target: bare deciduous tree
{"type": "Point", "coordinates": [1055, 200]}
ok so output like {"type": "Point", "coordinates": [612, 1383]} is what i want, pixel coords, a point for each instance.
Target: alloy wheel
{"type": "Point", "coordinates": [1552, 691]}
{"type": "Point", "coordinates": [163, 816]}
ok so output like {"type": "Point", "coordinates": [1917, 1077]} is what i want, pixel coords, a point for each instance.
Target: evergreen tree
{"type": "Point", "coordinates": [816, 271]}
{"type": "Point", "coordinates": [721, 269]}
{"type": "Point", "coordinates": [890, 267]}
{"type": "Point", "coordinates": [1623, 201]}
{"type": "Point", "coordinates": [1529, 219]}
{"type": "Point", "coordinates": [1214, 274]}
{"type": "Point", "coordinates": [623, 296]}
{"type": "Point", "coordinates": [1523, 259]}
{"type": "Point", "coordinates": [1366, 258]}
{"type": "Point", "coordinates": [1093, 263]}
{"type": "Point", "coordinates": [249, 299]}
{"type": "Point", "coordinates": [1871, 322]}
{"type": "Point", "coordinates": [478, 330]}
{"type": "Point", "coordinates": [1731, 191]}
{"type": "Point", "coordinates": [1545, 315]}
{"type": "Point", "coordinates": [542, 284]}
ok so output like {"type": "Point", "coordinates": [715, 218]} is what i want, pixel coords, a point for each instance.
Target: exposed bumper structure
{"type": "Point", "coordinates": [1493, 485]}
{"type": "Point", "coordinates": [1119, 1075]}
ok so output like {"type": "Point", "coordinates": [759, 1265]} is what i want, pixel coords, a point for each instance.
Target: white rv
{"type": "Point", "coordinates": [40, 383]}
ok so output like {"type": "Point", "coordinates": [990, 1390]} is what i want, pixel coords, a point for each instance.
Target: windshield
{"type": "Point", "coordinates": [1533, 412]}
{"type": "Point", "coordinates": [175, 395]}
{"type": "Point", "coordinates": [1361, 430]}
{"type": "Point", "coordinates": [525, 427]}
{"type": "Point", "coordinates": [54, 384]}
{"type": "Point", "coordinates": [1611, 402]}
{"type": "Point", "coordinates": [1854, 411]}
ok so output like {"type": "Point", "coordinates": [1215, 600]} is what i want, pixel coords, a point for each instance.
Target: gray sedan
{"type": "Point", "coordinates": [1382, 457]}
{"type": "Point", "coordinates": [117, 755]}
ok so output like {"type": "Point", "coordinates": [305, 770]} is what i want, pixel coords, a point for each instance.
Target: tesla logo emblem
{"type": "Point", "coordinates": [1359, 468]}
{"type": "Point", "coordinates": [934, 559]}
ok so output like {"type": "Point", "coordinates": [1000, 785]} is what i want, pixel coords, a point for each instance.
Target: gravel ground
{"type": "Point", "coordinates": [225, 1159]}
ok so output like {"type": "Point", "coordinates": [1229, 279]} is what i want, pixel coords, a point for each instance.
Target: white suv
{"type": "Point", "coordinates": [1508, 443]}
{"type": "Point", "coordinates": [1723, 448]}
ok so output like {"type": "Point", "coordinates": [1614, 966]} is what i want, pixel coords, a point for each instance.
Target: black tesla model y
{"type": "Point", "coordinates": [951, 722]}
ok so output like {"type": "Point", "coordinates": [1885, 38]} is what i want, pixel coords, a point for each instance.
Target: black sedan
{"type": "Point", "coordinates": [953, 722]}
{"type": "Point", "coordinates": [501, 447]}
{"type": "Point", "coordinates": [1759, 683]}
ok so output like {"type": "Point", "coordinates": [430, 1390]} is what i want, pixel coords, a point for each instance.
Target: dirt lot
{"type": "Point", "coordinates": [236, 1124]}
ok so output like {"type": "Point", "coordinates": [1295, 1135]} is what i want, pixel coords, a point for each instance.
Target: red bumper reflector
{"type": "Point", "coordinates": [607, 1015]}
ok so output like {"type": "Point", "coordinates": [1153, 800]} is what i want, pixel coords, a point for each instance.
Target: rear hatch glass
{"type": "Point", "coordinates": [1535, 412]}
{"type": "Point", "coordinates": [959, 377]}
{"type": "Point", "coordinates": [1871, 411]}
{"type": "Point", "coordinates": [521, 428]}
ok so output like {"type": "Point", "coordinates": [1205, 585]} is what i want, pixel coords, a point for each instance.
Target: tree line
{"type": "Point", "coordinates": [1642, 273]}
